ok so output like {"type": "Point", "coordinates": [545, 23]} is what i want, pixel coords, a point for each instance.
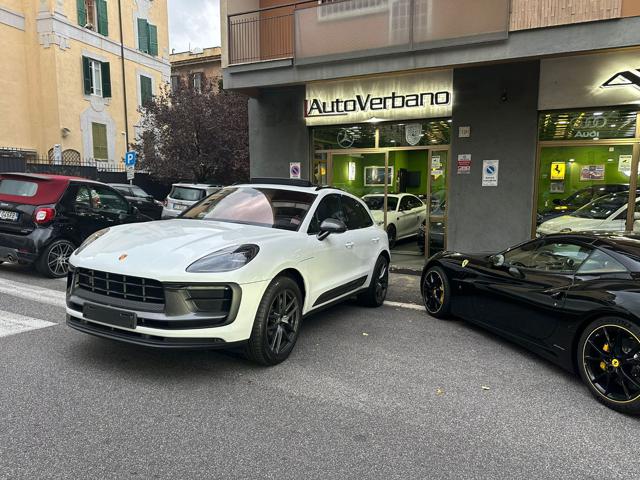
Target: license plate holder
{"type": "Point", "coordinates": [8, 216]}
{"type": "Point", "coordinates": [110, 316]}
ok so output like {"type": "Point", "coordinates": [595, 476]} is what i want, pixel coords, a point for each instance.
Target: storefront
{"type": "Point", "coordinates": [386, 136]}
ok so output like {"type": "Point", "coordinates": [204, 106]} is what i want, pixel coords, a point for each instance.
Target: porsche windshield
{"type": "Point", "coordinates": [265, 207]}
{"type": "Point", "coordinates": [603, 207]}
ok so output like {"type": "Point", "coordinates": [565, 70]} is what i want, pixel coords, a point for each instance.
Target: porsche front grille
{"type": "Point", "coordinates": [120, 286]}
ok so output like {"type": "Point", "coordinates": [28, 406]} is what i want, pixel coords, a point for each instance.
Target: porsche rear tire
{"type": "Point", "coordinates": [277, 323]}
{"type": "Point", "coordinates": [436, 292]}
{"type": "Point", "coordinates": [608, 359]}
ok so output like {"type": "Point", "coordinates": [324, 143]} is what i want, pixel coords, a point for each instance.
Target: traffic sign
{"type": "Point", "coordinates": [130, 159]}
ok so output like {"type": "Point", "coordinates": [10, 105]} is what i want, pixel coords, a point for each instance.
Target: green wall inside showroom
{"type": "Point", "coordinates": [582, 156]}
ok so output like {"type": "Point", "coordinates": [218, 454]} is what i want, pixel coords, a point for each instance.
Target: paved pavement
{"type": "Point", "coordinates": [385, 393]}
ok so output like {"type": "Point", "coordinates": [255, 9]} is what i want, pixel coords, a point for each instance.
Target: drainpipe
{"type": "Point", "coordinates": [124, 79]}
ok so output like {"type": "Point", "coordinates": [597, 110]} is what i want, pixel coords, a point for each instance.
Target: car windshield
{"type": "Point", "coordinates": [602, 207]}
{"type": "Point", "coordinates": [265, 207]}
{"type": "Point", "coordinates": [138, 192]}
{"type": "Point", "coordinates": [578, 199]}
{"type": "Point", "coordinates": [186, 193]}
{"type": "Point", "coordinates": [19, 188]}
{"type": "Point", "coordinates": [376, 202]}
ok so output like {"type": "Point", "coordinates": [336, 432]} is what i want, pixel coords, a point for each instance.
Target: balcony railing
{"type": "Point", "coordinates": [315, 30]}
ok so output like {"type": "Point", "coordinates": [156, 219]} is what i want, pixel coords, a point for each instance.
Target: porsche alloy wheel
{"type": "Point", "coordinates": [435, 292]}
{"type": "Point", "coordinates": [277, 322]}
{"type": "Point", "coordinates": [610, 363]}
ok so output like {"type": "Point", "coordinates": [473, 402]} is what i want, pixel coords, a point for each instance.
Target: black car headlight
{"type": "Point", "coordinates": [225, 260]}
{"type": "Point", "coordinates": [90, 239]}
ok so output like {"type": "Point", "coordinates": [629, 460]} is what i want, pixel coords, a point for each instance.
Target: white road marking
{"type": "Point", "coordinates": [30, 292]}
{"type": "Point", "coordinates": [410, 306]}
{"type": "Point", "coordinates": [12, 324]}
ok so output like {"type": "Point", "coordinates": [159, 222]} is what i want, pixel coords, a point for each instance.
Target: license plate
{"type": "Point", "coordinates": [7, 215]}
{"type": "Point", "coordinates": [179, 207]}
{"type": "Point", "coordinates": [110, 316]}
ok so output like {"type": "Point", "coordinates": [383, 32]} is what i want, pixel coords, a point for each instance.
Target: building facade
{"type": "Point", "coordinates": [191, 68]}
{"type": "Point", "coordinates": [500, 113]}
{"type": "Point", "coordinates": [74, 73]}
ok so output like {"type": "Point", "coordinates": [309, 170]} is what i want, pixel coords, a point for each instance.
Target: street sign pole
{"type": "Point", "coordinates": [130, 160]}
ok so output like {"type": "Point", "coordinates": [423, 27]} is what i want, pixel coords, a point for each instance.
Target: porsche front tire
{"type": "Point", "coordinates": [277, 323]}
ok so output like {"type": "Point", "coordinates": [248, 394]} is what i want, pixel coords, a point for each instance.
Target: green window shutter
{"type": "Point", "coordinates": [82, 13]}
{"type": "Point", "coordinates": [143, 35]}
{"type": "Point", "coordinates": [153, 40]}
{"type": "Point", "coordinates": [103, 21]}
{"type": "Point", "coordinates": [99, 135]}
{"type": "Point", "coordinates": [106, 80]}
{"type": "Point", "coordinates": [146, 89]}
{"type": "Point", "coordinates": [86, 73]}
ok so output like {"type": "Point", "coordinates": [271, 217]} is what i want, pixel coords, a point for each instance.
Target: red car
{"type": "Point", "coordinates": [44, 218]}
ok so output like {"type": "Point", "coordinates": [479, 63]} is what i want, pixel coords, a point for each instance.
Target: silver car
{"type": "Point", "coordinates": [183, 195]}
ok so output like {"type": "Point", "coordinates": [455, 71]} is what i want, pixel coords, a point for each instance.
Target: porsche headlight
{"type": "Point", "coordinates": [90, 239]}
{"type": "Point", "coordinates": [225, 260]}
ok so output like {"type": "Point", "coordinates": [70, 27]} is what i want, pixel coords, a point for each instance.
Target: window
{"type": "Point", "coordinates": [329, 207]}
{"type": "Point", "coordinates": [599, 263]}
{"type": "Point", "coordinates": [197, 82]}
{"type": "Point", "coordinates": [138, 192]}
{"type": "Point", "coordinates": [549, 257]}
{"type": "Point", "coordinates": [405, 204]}
{"type": "Point", "coordinates": [18, 188]}
{"type": "Point", "coordinates": [264, 207]}
{"type": "Point", "coordinates": [356, 215]}
{"type": "Point", "coordinates": [97, 77]}
{"type": "Point", "coordinates": [146, 89]}
{"type": "Point", "coordinates": [187, 194]}
{"type": "Point", "coordinates": [99, 136]}
{"type": "Point", "coordinates": [415, 202]}
{"type": "Point", "coordinates": [92, 14]}
{"type": "Point", "coordinates": [106, 199]}
{"type": "Point", "coordinates": [175, 83]}
{"type": "Point", "coordinates": [376, 202]}
{"type": "Point", "coordinates": [333, 9]}
{"type": "Point", "coordinates": [147, 37]}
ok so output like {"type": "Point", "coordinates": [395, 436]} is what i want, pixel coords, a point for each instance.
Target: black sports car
{"type": "Point", "coordinates": [574, 299]}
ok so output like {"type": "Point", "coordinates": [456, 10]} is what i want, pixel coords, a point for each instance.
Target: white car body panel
{"type": "Point", "coordinates": [406, 222]}
{"type": "Point", "coordinates": [567, 223]}
{"type": "Point", "coordinates": [163, 250]}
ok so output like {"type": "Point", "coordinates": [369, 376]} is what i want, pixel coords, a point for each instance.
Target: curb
{"type": "Point", "coordinates": [405, 271]}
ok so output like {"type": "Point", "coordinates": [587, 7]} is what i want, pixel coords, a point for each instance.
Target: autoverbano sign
{"type": "Point", "coordinates": [400, 97]}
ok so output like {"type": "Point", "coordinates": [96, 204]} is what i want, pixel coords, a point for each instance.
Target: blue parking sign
{"type": "Point", "coordinates": [130, 159]}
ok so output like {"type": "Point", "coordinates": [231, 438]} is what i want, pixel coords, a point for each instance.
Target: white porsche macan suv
{"type": "Point", "coordinates": [240, 268]}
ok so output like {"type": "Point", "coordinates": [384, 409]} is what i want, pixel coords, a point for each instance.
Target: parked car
{"type": "Point", "coordinates": [563, 206]}
{"type": "Point", "coordinates": [43, 218]}
{"type": "Point", "coordinates": [184, 195]}
{"type": "Point", "coordinates": [436, 236]}
{"type": "Point", "coordinates": [145, 203]}
{"type": "Point", "coordinates": [405, 213]}
{"type": "Point", "coordinates": [573, 299]}
{"type": "Point", "coordinates": [242, 267]}
{"type": "Point", "coordinates": [608, 213]}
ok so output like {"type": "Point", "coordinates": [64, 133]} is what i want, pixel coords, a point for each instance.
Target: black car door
{"type": "Point", "coordinates": [525, 296]}
{"type": "Point", "coordinates": [111, 207]}
{"type": "Point", "coordinates": [83, 216]}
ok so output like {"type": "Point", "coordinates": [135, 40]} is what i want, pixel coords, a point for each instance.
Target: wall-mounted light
{"type": "Point", "coordinates": [352, 171]}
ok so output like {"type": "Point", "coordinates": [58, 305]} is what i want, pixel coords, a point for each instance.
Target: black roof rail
{"type": "Point", "coordinates": [293, 182]}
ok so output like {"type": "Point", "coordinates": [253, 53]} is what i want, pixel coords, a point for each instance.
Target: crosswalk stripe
{"type": "Point", "coordinates": [30, 292]}
{"type": "Point", "coordinates": [12, 324]}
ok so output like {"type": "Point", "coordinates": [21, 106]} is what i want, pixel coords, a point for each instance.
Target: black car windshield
{"type": "Point", "coordinates": [376, 202]}
{"type": "Point", "coordinates": [602, 207]}
{"type": "Point", "coordinates": [265, 207]}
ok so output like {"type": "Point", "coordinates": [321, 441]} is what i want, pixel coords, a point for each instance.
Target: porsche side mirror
{"type": "Point", "coordinates": [329, 226]}
{"type": "Point", "coordinates": [497, 260]}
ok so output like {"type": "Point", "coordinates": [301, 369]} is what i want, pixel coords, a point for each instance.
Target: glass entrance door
{"type": "Point", "coordinates": [436, 224]}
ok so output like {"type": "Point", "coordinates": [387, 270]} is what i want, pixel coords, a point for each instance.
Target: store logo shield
{"type": "Point", "coordinates": [629, 78]}
{"type": "Point", "coordinates": [413, 133]}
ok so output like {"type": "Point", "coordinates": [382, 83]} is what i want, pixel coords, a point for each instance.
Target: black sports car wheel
{"type": "Point", "coordinates": [609, 363]}
{"type": "Point", "coordinates": [392, 234]}
{"type": "Point", "coordinates": [277, 322]}
{"type": "Point", "coordinates": [436, 293]}
{"type": "Point", "coordinates": [54, 261]}
{"type": "Point", "coordinates": [377, 291]}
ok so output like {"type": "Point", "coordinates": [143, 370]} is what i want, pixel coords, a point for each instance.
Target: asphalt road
{"type": "Point", "coordinates": [386, 393]}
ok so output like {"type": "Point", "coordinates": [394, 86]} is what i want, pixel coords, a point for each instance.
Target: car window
{"type": "Point", "coordinates": [83, 198]}
{"type": "Point", "coordinates": [405, 203]}
{"type": "Point", "coordinates": [602, 207]}
{"type": "Point", "coordinates": [138, 192]}
{"type": "Point", "coordinates": [18, 188]}
{"type": "Point", "coordinates": [355, 213]}
{"type": "Point", "coordinates": [376, 202]}
{"type": "Point", "coordinates": [329, 207]}
{"type": "Point", "coordinates": [123, 190]}
{"type": "Point", "coordinates": [108, 200]}
{"type": "Point", "coordinates": [187, 194]}
{"type": "Point", "coordinates": [415, 202]}
{"type": "Point", "coordinates": [548, 256]}
{"type": "Point", "coordinates": [598, 263]}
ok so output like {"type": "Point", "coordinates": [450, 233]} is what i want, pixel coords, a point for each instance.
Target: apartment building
{"type": "Point", "coordinates": [498, 112]}
{"type": "Point", "coordinates": [74, 73]}
{"type": "Point", "coordinates": [192, 67]}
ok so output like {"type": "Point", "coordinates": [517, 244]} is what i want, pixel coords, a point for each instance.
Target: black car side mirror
{"type": "Point", "coordinates": [515, 272]}
{"type": "Point", "coordinates": [329, 226]}
{"type": "Point", "coordinates": [497, 260]}
{"type": "Point", "coordinates": [134, 210]}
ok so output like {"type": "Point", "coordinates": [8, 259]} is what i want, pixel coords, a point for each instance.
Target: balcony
{"type": "Point", "coordinates": [311, 31]}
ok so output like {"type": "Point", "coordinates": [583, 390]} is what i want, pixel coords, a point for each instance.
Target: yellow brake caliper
{"type": "Point", "coordinates": [606, 348]}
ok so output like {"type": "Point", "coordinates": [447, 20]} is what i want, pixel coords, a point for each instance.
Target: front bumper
{"type": "Point", "coordinates": [179, 323]}
{"type": "Point", "coordinates": [170, 213]}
